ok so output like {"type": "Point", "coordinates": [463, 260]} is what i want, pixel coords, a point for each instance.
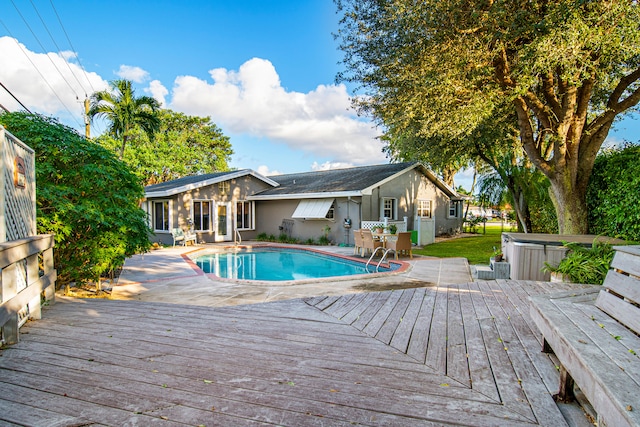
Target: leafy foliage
{"type": "Point", "coordinates": [184, 145]}
{"type": "Point", "coordinates": [125, 112]}
{"type": "Point", "coordinates": [433, 73]}
{"type": "Point", "coordinates": [614, 197]}
{"type": "Point", "coordinates": [585, 265]}
{"type": "Point", "coordinates": [85, 196]}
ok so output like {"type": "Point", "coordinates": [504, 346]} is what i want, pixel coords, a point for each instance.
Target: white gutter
{"type": "Point", "coordinates": [200, 184]}
{"type": "Point", "coordinates": [323, 195]}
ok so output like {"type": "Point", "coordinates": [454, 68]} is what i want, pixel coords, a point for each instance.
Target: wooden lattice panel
{"type": "Point", "coordinates": [18, 189]}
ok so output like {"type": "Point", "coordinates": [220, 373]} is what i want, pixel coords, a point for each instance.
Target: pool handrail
{"type": "Point", "coordinates": [384, 256]}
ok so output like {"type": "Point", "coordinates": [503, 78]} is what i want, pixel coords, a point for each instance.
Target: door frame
{"type": "Point", "coordinates": [229, 221]}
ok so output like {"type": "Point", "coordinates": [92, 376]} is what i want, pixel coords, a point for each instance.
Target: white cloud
{"type": "Point", "coordinates": [265, 171]}
{"type": "Point", "coordinates": [135, 74]}
{"type": "Point", "coordinates": [45, 83]}
{"type": "Point", "coordinates": [158, 91]}
{"type": "Point", "coordinates": [252, 101]}
{"type": "Point", "coordinates": [330, 165]}
{"type": "Point", "coordinates": [249, 101]}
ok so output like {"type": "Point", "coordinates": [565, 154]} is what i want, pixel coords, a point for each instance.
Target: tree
{"type": "Point", "coordinates": [184, 145]}
{"type": "Point", "coordinates": [125, 111]}
{"type": "Point", "coordinates": [86, 197]}
{"type": "Point", "coordinates": [525, 188]}
{"type": "Point", "coordinates": [439, 68]}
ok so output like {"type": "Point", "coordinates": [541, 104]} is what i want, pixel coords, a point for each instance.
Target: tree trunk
{"type": "Point", "coordinates": [124, 144]}
{"type": "Point", "coordinates": [520, 205]}
{"type": "Point", "coordinates": [571, 206]}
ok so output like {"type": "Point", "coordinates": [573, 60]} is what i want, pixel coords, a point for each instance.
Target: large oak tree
{"type": "Point", "coordinates": [438, 69]}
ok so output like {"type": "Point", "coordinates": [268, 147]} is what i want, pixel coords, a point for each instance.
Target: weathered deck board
{"type": "Point", "coordinates": [402, 334]}
{"type": "Point", "coordinates": [413, 357]}
{"type": "Point", "coordinates": [456, 348]}
{"type": "Point", "coordinates": [419, 338]}
{"type": "Point", "coordinates": [480, 372]}
{"type": "Point", "coordinates": [395, 318]}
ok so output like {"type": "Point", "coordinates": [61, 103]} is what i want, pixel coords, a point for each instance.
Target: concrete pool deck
{"type": "Point", "coordinates": [164, 275]}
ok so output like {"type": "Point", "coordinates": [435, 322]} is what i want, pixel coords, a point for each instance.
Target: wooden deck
{"type": "Point", "coordinates": [453, 355]}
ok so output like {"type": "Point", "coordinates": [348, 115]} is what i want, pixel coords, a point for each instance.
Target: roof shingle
{"type": "Point", "coordinates": [334, 180]}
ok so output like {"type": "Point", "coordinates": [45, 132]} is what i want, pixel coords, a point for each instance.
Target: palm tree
{"type": "Point", "coordinates": [125, 112]}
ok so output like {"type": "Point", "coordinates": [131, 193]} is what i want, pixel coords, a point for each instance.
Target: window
{"type": "Point", "coordinates": [389, 208]}
{"type": "Point", "coordinates": [224, 187]}
{"type": "Point", "coordinates": [331, 212]}
{"type": "Point", "coordinates": [424, 208]}
{"type": "Point", "coordinates": [161, 215]}
{"type": "Point", "coordinates": [244, 215]}
{"type": "Point", "coordinates": [455, 210]}
{"type": "Point", "coordinates": [202, 215]}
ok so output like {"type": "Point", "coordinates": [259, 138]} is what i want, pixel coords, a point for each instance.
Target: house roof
{"type": "Point", "coordinates": [169, 188]}
{"type": "Point", "coordinates": [355, 181]}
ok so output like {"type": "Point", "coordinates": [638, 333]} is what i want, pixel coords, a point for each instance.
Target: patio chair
{"type": "Point", "coordinates": [357, 238]}
{"type": "Point", "coordinates": [180, 236]}
{"type": "Point", "coordinates": [401, 244]}
{"type": "Point", "coordinates": [368, 243]}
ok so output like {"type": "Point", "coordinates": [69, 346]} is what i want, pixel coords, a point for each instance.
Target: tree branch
{"type": "Point", "coordinates": [614, 103]}
{"type": "Point", "coordinates": [549, 94]}
{"type": "Point", "coordinates": [614, 106]}
{"type": "Point", "coordinates": [526, 136]}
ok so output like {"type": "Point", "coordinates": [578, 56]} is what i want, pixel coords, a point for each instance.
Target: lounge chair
{"type": "Point", "coordinates": [401, 244]}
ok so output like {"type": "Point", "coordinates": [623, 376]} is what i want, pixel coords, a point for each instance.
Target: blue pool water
{"type": "Point", "coordinates": [279, 264]}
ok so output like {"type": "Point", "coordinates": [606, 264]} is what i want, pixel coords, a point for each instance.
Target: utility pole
{"type": "Point", "coordinates": [87, 125]}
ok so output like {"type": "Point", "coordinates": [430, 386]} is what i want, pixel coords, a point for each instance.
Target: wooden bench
{"type": "Point", "coordinates": [180, 236]}
{"type": "Point", "coordinates": [594, 335]}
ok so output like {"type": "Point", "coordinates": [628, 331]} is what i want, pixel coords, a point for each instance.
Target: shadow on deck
{"type": "Point", "coordinates": [465, 354]}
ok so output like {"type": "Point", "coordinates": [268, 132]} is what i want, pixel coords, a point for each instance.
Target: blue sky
{"type": "Point", "coordinates": [264, 71]}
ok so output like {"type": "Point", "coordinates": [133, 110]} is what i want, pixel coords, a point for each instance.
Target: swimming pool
{"type": "Point", "coordinates": [280, 264]}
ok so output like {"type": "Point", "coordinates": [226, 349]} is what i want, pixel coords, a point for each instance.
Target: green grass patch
{"type": "Point", "coordinates": [477, 249]}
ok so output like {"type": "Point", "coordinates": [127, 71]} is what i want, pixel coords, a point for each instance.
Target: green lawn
{"type": "Point", "coordinates": [477, 249]}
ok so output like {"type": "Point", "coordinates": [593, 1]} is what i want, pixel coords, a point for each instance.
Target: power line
{"type": "Point", "coordinates": [14, 97]}
{"type": "Point", "coordinates": [44, 49]}
{"type": "Point", "coordinates": [70, 44]}
{"type": "Point", "coordinates": [57, 47]}
{"type": "Point", "coordinates": [41, 75]}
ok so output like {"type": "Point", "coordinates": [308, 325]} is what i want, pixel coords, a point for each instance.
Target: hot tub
{"type": "Point", "coordinates": [527, 252]}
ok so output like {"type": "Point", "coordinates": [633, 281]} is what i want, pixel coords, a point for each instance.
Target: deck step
{"type": "Point", "coordinates": [485, 272]}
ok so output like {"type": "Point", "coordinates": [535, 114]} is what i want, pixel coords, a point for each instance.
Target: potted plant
{"type": "Point", "coordinates": [378, 228]}
{"type": "Point", "coordinates": [497, 254]}
{"type": "Point", "coordinates": [393, 228]}
{"type": "Point", "coordinates": [583, 264]}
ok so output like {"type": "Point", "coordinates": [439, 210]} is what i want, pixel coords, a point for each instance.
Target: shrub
{"type": "Point", "coordinates": [86, 197]}
{"type": "Point", "coordinates": [264, 237]}
{"type": "Point", "coordinates": [283, 238]}
{"type": "Point", "coordinates": [324, 240]}
{"type": "Point", "coordinates": [613, 198]}
{"type": "Point", "coordinates": [585, 265]}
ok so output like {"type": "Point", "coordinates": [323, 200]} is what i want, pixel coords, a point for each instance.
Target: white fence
{"type": "Point", "coordinates": [401, 225]}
